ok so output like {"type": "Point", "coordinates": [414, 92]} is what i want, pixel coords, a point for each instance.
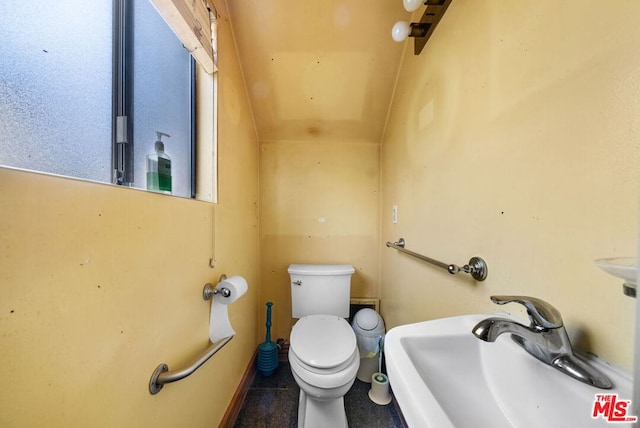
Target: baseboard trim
{"type": "Point", "coordinates": [233, 410]}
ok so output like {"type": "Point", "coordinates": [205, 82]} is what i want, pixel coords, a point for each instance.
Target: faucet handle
{"type": "Point", "coordinates": [541, 313]}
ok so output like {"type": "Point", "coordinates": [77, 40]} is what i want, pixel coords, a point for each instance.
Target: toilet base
{"type": "Point", "coordinates": [321, 413]}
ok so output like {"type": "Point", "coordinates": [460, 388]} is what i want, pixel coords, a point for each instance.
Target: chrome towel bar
{"type": "Point", "coordinates": [476, 267]}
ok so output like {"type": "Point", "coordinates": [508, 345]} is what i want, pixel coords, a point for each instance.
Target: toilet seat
{"type": "Point", "coordinates": [331, 378]}
{"type": "Point", "coordinates": [323, 351]}
{"type": "Point", "coordinates": [323, 342]}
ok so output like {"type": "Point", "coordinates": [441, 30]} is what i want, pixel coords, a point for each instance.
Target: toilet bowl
{"type": "Point", "coordinates": [324, 360]}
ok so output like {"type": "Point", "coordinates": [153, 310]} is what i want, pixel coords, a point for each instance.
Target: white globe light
{"type": "Point", "coordinates": [400, 31]}
{"type": "Point", "coordinates": [411, 5]}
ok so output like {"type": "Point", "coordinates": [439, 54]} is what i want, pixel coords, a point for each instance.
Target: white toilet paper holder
{"type": "Point", "coordinates": [209, 290]}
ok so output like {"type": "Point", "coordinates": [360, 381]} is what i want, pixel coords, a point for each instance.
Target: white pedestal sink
{"type": "Point", "coordinates": [443, 376]}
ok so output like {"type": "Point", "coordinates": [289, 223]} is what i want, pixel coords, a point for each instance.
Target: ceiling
{"type": "Point", "coordinates": [318, 70]}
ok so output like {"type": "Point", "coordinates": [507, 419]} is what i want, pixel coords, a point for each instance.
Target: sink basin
{"type": "Point", "coordinates": [443, 376]}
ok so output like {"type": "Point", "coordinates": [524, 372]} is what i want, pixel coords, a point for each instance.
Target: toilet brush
{"type": "Point", "coordinates": [268, 350]}
{"type": "Point", "coordinates": [379, 392]}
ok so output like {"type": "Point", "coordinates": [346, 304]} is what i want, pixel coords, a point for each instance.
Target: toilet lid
{"type": "Point", "coordinates": [323, 341]}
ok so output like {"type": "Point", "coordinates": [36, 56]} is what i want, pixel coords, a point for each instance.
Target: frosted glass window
{"type": "Point", "coordinates": [161, 97]}
{"type": "Point", "coordinates": [55, 87]}
{"type": "Point", "coordinates": [64, 111]}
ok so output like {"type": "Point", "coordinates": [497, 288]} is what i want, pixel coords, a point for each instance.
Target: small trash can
{"type": "Point", "coordinates": [368, 326]}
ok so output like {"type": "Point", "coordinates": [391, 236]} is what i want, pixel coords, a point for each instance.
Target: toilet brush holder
{"type": "Point", "coordinates": [379, 392]}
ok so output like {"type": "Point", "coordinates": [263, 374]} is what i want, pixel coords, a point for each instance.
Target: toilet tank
{"type": "Point", "coordinates": [320, 289]}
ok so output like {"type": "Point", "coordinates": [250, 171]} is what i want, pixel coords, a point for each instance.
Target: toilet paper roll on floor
{"type": "Point", "coordinates": [219, 324]}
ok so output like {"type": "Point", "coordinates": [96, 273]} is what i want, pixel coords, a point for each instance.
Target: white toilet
{"type": "Point", "coordinates": [323, 352]}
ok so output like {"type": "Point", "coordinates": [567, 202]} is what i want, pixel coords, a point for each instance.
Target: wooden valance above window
{"type": "Point", "coordinates": [194, 23]}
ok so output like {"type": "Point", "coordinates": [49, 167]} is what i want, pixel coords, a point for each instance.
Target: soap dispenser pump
{"type": "Point", "coordinates": [159, 167]}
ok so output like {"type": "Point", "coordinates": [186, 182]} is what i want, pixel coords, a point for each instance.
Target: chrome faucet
{"type": "Point", "coordinates": [545, 338]}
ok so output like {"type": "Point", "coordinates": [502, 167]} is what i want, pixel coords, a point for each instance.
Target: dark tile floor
{"type": "Point", "coordinates": [272, 401]}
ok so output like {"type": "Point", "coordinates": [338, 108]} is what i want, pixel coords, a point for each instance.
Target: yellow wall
{"type": "Point", "coordinates": [514, 136]}
{"type": "Point", "coordinates": [99, 285]}
{"type": "Point", "coordinates": [319, 203]}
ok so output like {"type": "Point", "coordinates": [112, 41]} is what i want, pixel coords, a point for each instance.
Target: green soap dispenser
{"type": "Point", "coordinates": [159, 167]}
